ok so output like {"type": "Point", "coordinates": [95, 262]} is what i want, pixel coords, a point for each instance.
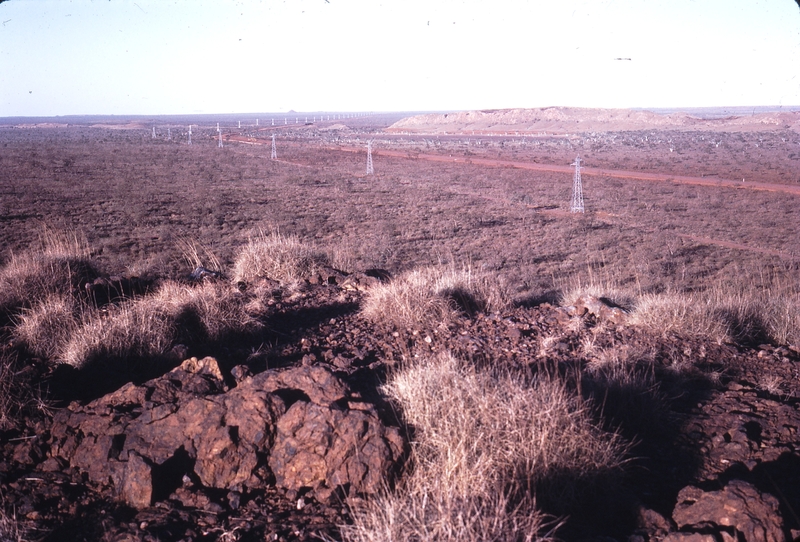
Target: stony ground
{"type": "Point", "coordinates": [715, 456]}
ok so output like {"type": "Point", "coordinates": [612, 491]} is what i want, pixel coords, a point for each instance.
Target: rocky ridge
{"type": "Point", "coordinates": [276, 447]}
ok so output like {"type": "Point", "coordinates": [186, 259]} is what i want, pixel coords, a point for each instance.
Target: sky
{"type": "Point", "coordinates": [154, 57]}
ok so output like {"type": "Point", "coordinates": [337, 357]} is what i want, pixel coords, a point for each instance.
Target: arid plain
{"type": "Point", "coordinates": [663, 322]}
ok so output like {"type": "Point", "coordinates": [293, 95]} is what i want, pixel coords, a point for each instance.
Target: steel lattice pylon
{"type": "Point", "coordinates": [274, 155]}
{"type": "Point", "coordinates": [576, 205]}
{"type": "Point", "coordinates": [370, 169]}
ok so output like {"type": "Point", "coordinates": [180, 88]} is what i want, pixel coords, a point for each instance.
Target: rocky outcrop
{"type": "Point", "coordinates": [144, 440]}
{"type": "Point", "coordinates": [600, 308]}
{"type": "Point", "coordinates": [739, 511]}
{"type": "Point", "coordinates": [326, 448]}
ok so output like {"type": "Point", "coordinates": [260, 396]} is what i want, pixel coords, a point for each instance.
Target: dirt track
{"type": "Point", "coordinates": [604, 172]}
{"type": "Point", "coordinates": [615, 173]}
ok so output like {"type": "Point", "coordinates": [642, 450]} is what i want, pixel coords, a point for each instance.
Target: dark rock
{"type": "Point", "coordinates": [600, 308]}
{"type": "Point", "coordinates": [202, 273]}
{"type": "Point", "coordinates": [136, 484]}
{"type": "Point", "coordinates": [689, 537]}
{"type": "Point", "coordinates": [652, 523]}
{"type": "Point", "coordinates": [317, 383]}
{"type": "Point", "coordinates": [753, 516]}
{"type": "Point", "coordinates": [329, 448]}
{"type": "Point", "coordinates": [147, 439]}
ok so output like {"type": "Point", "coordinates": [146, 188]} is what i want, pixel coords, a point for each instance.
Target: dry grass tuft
{"type": "Point", "coordinates": [285, 259]}
{"type": "Point", "coordinates": [425, 298]}
{"type": "Point", "coordinates": [17, 392]}
{"type": "Point", "coordinates": [726, 315]}
{"type": "Point", "coordinates": [49, 324]}
{"type": "Point", "coordinates": [59, 266]}
{"type": "Point", "coordinates": [678, 313]}
{"type": "Point", "coordinates": [723, 312]}
{"type": "Point", "coordinates": [8, 401]}
{"type": "Point", "coordinates": [620, 296]}
{"type": "Point", "coordinates": [781, 317]}
{"type": "Point", "coordinates": [151, 325]}
{"type": "Point", "coordinates": [483, 445]}
{"type": "Point", "coordinates": [10, 529]}
{"type": "Point", "coordinates": [198, 255]}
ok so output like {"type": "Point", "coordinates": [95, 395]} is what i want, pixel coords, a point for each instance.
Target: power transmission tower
{"type": "Point", "coordinates": [370, 169]}
{"type": "Point", "coordinates": [154, 132]}
{"type": "Point", "coordinates": [274, 155]}
{"type": "Point", "coordinates": [190, 134]}
{"type": "Point", "coordinates": [220, 140]}
{"type": "Point", "coordinates": [169, 135]}
{"type": "Point", "coordinates": [576, 205]}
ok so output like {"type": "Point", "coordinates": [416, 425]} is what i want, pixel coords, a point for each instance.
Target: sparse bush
{"type": "Point", "coordinates": [428, 297]}
{"type": "Point", "coordinates": [285, 259]}
{"type": "Point", "coordinates": [484, 444]}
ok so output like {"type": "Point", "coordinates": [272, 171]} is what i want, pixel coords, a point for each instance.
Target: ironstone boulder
{"type": "Point", "coordinates": [144, 439]}
{"type": "Point", "coordinates": [739, 510]}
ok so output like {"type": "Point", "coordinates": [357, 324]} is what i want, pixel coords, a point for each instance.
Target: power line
{"type": "Point", "coordinates": [370, 169]}
{"type": "Point", "coordinates": [576, 205]}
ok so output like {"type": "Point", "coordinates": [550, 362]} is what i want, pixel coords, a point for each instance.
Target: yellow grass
{"type": "Point", "coordinates": [426, 298]}
{"type": "Point", "coordinates": [482, 445]}
{"type": "Point", "coordinates": [150, 326]}
{"type": "Point", "coordinates": [285, 259]}
{"type": "Point", "coordinates": [60, 265]}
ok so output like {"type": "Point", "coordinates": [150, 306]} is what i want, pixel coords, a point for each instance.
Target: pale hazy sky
{"type": "Point", "coordinates": [61, 57]}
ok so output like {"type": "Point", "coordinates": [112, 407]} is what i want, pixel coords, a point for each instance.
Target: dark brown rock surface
{"type": "Point", "coordinates": [739, 510]}
{"type": "Point", "coordinates": [265, 442]}
{"type": "Point", "coordinates": [220, 437]}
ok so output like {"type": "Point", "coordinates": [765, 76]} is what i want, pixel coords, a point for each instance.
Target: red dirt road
{"type": "Point", "coordinates": [615, 173]}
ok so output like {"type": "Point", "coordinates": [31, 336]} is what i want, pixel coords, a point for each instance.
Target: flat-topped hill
{"type": "Point", "coordinates": [563, 120]}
